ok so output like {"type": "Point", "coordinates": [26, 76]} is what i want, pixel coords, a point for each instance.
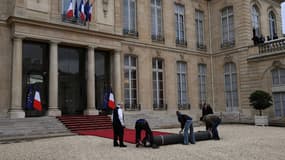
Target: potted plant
{"type": "Point", "coordinates": [260, 100]}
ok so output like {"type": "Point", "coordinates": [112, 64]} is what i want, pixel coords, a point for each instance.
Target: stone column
{"type": "Point", "coordinates": [117, 76]}
{"type": "Point", "coordinates": [53, 80]}
{"type": "Point", "coordinates": [90, 110]}
{"type": "Point", "coordinates": [16, 110]}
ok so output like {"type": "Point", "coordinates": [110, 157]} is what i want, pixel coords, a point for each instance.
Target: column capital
{"type": "Point", "coordinates": [91, 46]}
{"type": "Point", "coordinates": [54, 41]}
{"type": "Point", "coordinates": [18, 37]}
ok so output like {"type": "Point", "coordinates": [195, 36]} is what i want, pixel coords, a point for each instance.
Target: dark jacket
{"type": "Point", "coordinates": [211, 119]}
{"type": "Point", "coordinates": [182, 118]}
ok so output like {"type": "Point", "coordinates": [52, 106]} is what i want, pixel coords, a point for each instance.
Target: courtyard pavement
{"type": "Point", "coordinates": [238, 142]}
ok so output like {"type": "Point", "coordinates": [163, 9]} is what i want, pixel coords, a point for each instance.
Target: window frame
{"type": "Point", "coordinates": [130, 68]}
{"type": "Point", "coordinates": [128, 30]}
{"type": "Point", "coordinates": [155, 35]}
{"type": "Point", "coordinates": [229, 94]}
{"type": "Point", "coordinates": [180, 27]}
{"type": "Point", "coordinates": [182, 72]}
{"type": "Point", "coordinates": [228, 42]}
{"type": "Point", "coordinates": [199, 25]}
{"type": "Point", "coordinates": [202, 73]}
{"type": "Point", "coordinates": [156, 98]}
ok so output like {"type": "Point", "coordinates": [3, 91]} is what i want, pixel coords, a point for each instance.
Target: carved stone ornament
{"type": "Point", "coordinates": [158, 53]}
{"type": "Point", "coordinates": [131, 49]}
{"type": "Point", "coordinates": [105, 7]}
{"type": "Point", "coordinates": [276, 64]}
{"type": "Point", "coordinates": [228, 59]}
{"type": "Point", "coordinates": [181, 56]}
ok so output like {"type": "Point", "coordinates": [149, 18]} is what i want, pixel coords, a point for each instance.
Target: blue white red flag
{"type": "Point", "coordinates": [37, 101]}
{"type": "Point", "coordinates": [76, 10]}
{"type": "Point", "coordinates": [81, 11]}
{"type": "Point", "coordinates": [29, 98]}
{"type": "Point", "coordinates": [69, 12]}
{"type": "Point", "coordinates": [111, 102]}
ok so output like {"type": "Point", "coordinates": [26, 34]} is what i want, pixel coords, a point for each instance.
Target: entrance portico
{"type": "Point", "coordinates": [18, 99]}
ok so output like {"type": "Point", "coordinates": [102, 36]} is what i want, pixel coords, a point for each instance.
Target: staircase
{"type": "Point", "coordinates": [31, 128]}
{"type": "Point", "coordinates": [84, 123]}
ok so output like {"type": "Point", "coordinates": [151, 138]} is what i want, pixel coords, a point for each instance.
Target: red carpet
{"type": "Point", "coordinates": [129, 135]}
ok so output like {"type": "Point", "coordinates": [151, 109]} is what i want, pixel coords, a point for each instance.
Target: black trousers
{"type": "Point", "coordinates": [118, 133]}
{"type": "Point", "coordinates": [148, 133]}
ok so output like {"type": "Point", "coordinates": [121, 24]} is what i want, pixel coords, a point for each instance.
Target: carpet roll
{"type": "Point", "coordinates": [178, 138]}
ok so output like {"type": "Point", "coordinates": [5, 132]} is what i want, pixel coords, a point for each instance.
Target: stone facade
{"type": "Point", "coordinates": [42, 21]}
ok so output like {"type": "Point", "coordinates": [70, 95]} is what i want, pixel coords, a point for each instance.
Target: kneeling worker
{"type": "Point", "coordinates": [212, 122]}
{"type": "Point", "coordinates": [142, 124]}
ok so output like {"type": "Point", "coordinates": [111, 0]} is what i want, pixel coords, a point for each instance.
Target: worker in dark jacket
{"type": "Point", "coordinates": [142, 124]}
{"type": "Point", "coordinates": [212, 122]}
{"type": "Point", "coordinates": [186, 123]}
{"type": "Point", "coordinates": [118, 126]}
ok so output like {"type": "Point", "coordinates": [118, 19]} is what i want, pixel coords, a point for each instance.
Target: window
{"type": "Point", "coordinates": [278, 80]}
{"type": "Point", "coordinates": [130, 17]}
{"type": "Point", "coordinates": [231, 87]}
{"type": "Point", "coordinates": [130, 83]}
{"type": "Point", "coordinates": [182, 85]}
{"type": "Point", "coordinates": [180, 26]}
{"type": "Point", "coordinates": [228, 39]}
{"type": "Point", "coordinates": [158, 84]}
{"type": "Point", "coordinates": [199, 18]}
{"type": "Point", "coordinates": [202, 82]}
{"type": "Point", "coordinates": [255, 21]}
{"type": "Point", "coordinates": [75, 18]}
{"type": "Point", "coordinates": [272, 26]}
{"type": "Point", "coordinates": [156, 20]}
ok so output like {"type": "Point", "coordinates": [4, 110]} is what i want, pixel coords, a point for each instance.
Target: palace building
{"type": "Point", "coordinates": [157, 56]}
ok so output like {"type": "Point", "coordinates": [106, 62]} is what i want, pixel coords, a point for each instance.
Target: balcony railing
{"type": "Point", "coordinates": [159, 107]}
{"type": "Point", "coordinates": [228, 44]}
{"type": "Point", "coordinates": [201, 46]}
{"type": "Point", "coordinates": [184, 106]}
{"type": "Point", "coordinates": [272, 46]}
{"type": "Point", "coordinates": [181, 42]}
{"type": "Point", "coordinates": [130, 32]}
{"type": "Point", "coordinates": [132, 107]}
{"type": "Point", "coordinates": [73, 20]}
{"type": "Point", "coordinates": [157, 38]}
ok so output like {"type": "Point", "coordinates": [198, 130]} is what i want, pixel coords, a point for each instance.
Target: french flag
{"type": "Point", "coordinates": [69, 12]}
{"type": "Point", "coordinates": [111, 102]}
{"type": "Point", "coordinates": [90, 13]}
{"type": "Point", "coordinates": [81, 11]}
{"type": "Point", "coordinates": [37, 101]}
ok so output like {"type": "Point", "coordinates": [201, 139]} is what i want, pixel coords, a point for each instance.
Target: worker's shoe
{"type": "Point", "coordinates": [116, 144]}
{"type": "Point", "coordinates": [122, 145]}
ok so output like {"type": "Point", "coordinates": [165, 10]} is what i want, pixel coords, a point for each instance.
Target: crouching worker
{"type": "Point", "coordinates": [186, 124]}
{"type": "Point", "coordinates": [212, 122]}
{"type": "Point", "coordinates": [142, 124]}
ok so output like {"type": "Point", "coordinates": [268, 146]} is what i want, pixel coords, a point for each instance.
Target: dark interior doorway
{"type": "Point", "coordinates": [72, 83]}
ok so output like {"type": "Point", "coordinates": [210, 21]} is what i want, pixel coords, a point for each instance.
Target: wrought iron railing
{"type": "Point", "coordinates": [228, 44]}
{"type": "Point", "coordinates": [130, 32]}
{"type": "Point", "coordinates": [74, 20]}
{"type": "Point", "coordinates": [184, 106]}
{"type": "Point", "coordinates": [159, 38]}
{"type": "Point", "coordinates": [132, 107]}
{"type": "Point", "coordinates": [181, 42]}
{"type": "Point", "coordinates": [201, 46]}
{"type": "Point", "coordinates": [272, 46]}
{"type": "Point", "coordinates": [160, 107]}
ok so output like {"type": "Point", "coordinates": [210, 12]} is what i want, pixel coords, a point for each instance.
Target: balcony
{"type": "Point", "coordinates": [181, 42]}
{"type": "Point", "coordinates": [184, 106]}
{"type": "Point", "coordinates": [157, 38]}
{"type": "Point", "coordinates": [269, 48]}
{"type": "Point", "coordinates": [132, 107]}
{"type": "Point", "coordinates": [160, 107]}
{"type": "Point", "coordinates": [130, 32]}
{"type": "Point", "coordinates": [272, 46]}
{"type": "Point", "coordinates": [201, 46]}
{"type": "Point", "coordinates": [74, 20]}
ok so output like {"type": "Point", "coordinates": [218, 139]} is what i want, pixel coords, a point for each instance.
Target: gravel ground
{"type": "Point", "coordinates": [238, 142]}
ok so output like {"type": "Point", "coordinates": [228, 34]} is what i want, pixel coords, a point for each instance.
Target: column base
{"type": "Point", "coordinates": [54, 112]}
{"type": "Point", "coordinates": [13, 114]}
{"type": "Point", "coordinates": [91, 112]}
